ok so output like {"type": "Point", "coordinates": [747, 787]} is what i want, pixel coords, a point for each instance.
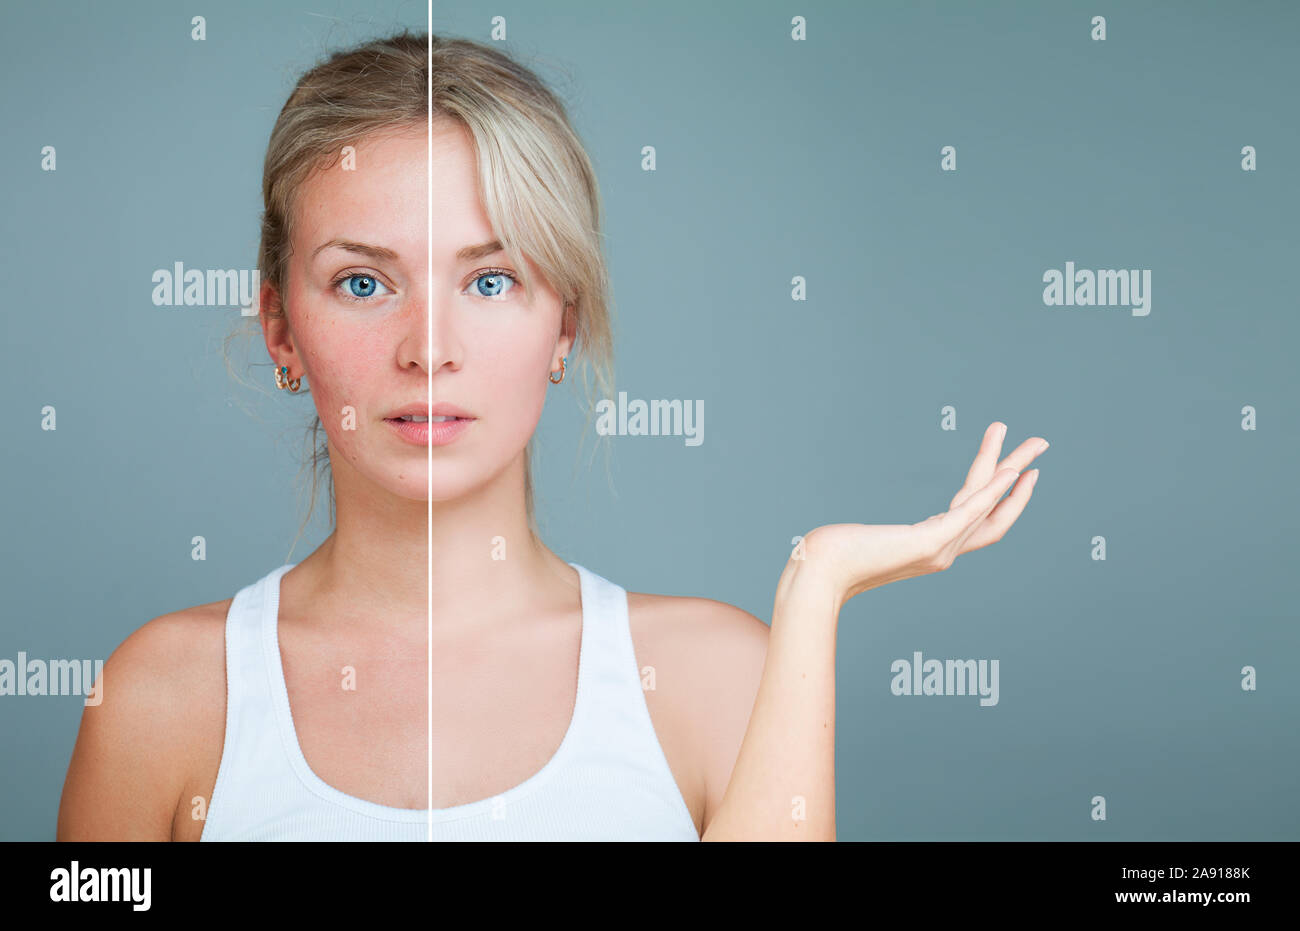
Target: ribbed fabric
{"type": "Point", "coordinates": [609, 779]}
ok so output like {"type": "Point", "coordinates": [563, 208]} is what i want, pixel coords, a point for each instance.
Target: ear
{"type": "Point", "coordinates": [275, 330]}
{"type": "Point", "coordinates": [568, 335]}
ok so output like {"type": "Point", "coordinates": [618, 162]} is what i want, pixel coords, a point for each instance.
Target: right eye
{"type": "Point", "coordinates": [359, 287]}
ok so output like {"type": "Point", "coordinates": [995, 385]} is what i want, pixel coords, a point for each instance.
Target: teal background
{"type": "Point", "coordinates": [775, 158]}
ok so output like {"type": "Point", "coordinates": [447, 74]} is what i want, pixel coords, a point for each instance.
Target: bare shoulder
{"type": "Point", "coordinates": [705, 660]}
{"type": "Point", "coordinates": [157, 707]}
{"type": "Point", "coordinates": [699, 630]}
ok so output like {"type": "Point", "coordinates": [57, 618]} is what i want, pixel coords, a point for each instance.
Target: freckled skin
{"type": "Point", "coordinates": [372, 353]}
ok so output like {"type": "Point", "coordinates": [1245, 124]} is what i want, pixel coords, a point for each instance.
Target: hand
{"type": "Point", "coordinates": [853, 558]}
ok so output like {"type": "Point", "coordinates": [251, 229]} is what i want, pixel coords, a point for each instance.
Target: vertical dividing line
{"type": "Point", "coordinates": [428, 525]}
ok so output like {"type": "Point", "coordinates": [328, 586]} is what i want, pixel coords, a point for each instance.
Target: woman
{"type": "Point", "coordinates": [297, 709]}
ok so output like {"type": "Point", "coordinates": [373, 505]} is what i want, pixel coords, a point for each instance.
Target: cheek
{"type": "Point", "coordinates": [341, 363]}
{"type": "Point", "coordinates": [514, 383]}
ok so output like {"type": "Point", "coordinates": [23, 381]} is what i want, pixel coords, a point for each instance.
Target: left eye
{"type": "Point", "coordinates": [494, 283]}
{"type": "Point", "coordinates": [360, 287]}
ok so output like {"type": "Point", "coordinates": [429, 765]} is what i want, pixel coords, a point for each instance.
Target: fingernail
{"type": "Point", "coordinates": [1033, 477]}
{"type": "Point", "coordinates": [1042, 449]}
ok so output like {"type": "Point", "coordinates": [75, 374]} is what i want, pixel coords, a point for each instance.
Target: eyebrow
{"type": "Point", "coordinates": [361, 248]}
{"type": "Point", "coordinates": [470, 253]}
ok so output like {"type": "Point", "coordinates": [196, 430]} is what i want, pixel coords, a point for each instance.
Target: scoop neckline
{"type": "Point", "coordinates": [321, 788]}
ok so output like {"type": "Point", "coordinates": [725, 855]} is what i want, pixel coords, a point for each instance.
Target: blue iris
{"type": "Point", "coordinates": [366, 288]}
{"type": "Point", "coordinates": [495, 288]}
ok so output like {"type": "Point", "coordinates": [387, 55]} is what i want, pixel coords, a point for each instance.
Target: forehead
{"type": "Point", "coordinates": [377, 193]}
{"type": "Point", "coordinates": [459, 218]}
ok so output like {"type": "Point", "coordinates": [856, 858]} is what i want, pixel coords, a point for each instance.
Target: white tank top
{"type": "Point", "coordinates": [609, 779]}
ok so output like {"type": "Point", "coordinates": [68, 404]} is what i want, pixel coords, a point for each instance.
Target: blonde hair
{"type": "Point", "coordinates": [537, 184]}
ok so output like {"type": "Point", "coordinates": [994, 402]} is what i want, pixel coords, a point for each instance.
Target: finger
{"type": "Point", "coordinates": [1007, 511]}
{"type": "Point", "coordinates": [1024, 454]}
{"type": "Point", "coordinates": [962, 520]}
{"type": "Point", "coordinates": [1019, 459]}
{"type": "Point", "coordinates": [985, 464]}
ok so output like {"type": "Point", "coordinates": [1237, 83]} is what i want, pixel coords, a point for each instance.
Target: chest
{"type": "Point", "coordinates": [359, 715]}
{"type": "Point", "coordinates": [501, 707]}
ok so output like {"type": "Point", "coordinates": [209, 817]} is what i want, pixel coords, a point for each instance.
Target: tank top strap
{"type": "Point", "coordinates": [618, 738]}
{"type": "Point", "coordinates": [607, 670]}
{"type": "Point", "coordinates": [252, 748]}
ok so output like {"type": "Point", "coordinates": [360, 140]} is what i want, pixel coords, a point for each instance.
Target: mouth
{"type": "Point", "coordinates": [430, 430]}
{"type": "Point", "coordinates": [419, 418]}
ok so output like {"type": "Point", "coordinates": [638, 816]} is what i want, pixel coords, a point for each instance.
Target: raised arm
{"type": "Point", "coordinates": [783, 784]}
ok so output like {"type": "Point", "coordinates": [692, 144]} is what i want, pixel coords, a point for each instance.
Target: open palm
{"type": "Point", "coordinates": [858, 557]}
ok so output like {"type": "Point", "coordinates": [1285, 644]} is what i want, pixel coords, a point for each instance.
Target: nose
{"type": "Point", "coordinates": [445, 348]}
{"type": "Point", "coordinates": [413, 350]}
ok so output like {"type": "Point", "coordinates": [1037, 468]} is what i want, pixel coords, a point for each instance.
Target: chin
{"type": "Point", "coordinates": [407, 480]}
{"type": "Point", "coordinates": [412, 489]}
{"type": "Point", "coordinates": [445, 490]}
{"type": "Point", "coordinates": [450, 484]}
{"type": "Point", "coordinates": [413, 485]}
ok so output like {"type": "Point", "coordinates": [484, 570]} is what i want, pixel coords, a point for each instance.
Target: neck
{"type": "Point", "coordinates": [484, 561]}
{"type": "Point", "coordinates": [487, 565]}
{"type": "Point", "coordinates": [377, 556]}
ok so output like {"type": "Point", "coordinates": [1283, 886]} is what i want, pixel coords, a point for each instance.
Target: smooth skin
{"type": "Point", "coordinates": [504, 650]}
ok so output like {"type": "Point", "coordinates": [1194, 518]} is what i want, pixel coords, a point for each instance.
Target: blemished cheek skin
{"type": "Point", "coordinates": [342, 364]}
{"type": "Point", "coordinates": [354, 380]}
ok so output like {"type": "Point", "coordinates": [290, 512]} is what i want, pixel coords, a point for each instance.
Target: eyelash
{"type": "Point", "coordinates": [352, 298]}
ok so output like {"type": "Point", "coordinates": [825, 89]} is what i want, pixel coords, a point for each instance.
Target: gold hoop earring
{"type": "Point", "coordinates": [282, 380]}
{"type": "Point", "coordinates": [563, 368]}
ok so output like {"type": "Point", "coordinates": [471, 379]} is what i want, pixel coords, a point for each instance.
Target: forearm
{"type": "Point", "coordinates": [783, 784]}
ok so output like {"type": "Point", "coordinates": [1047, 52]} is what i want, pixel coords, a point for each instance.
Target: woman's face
{"type": "Point", "coordinates": [361, 304]}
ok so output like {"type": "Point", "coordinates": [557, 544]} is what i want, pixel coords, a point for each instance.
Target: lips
{"type": "Point", "coordinates": [419, 412]}
{"type": "Point", "coordinates": [424, 425]}
{"type": "Point", "coordinates": [440, 427]}
{"type": "Point", "coordinates": [420, 418]}
{"type": "Point", "coordinates": [445, 410]}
